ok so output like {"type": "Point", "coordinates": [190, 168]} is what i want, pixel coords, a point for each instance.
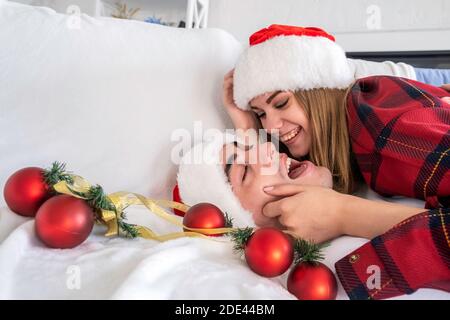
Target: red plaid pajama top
{"type": "Point", "coordinates": [400, 136]}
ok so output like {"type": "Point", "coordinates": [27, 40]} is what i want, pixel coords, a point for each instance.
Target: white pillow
{"type": "Point", "coordinates": [104, 95]}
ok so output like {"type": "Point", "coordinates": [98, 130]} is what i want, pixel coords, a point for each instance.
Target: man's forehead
{"type": "Point", "coordinates": [230, 151]}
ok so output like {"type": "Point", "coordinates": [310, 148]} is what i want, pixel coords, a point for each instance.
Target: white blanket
{"type": "Point", "coordinates": [115, 268]}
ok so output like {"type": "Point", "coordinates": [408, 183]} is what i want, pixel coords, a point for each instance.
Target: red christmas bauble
{"type": "Point", "coordinates": [205, 216]}
{"type": "Point", "coordinates": [269, 252]}
{"type": "Point", "coordinates": [64, 221]}
{"type": "Point", "coordinates": [176, 197]}
{"type": "Point", "coordinates": [312, 281]}
{"type": "Point", "coordinates": [25, 191]}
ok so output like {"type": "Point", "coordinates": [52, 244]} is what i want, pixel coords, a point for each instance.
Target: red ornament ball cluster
{"type": "Point", "coordinates": [62, 221]}
{"type": "Point", "coordinates": [269, 252]}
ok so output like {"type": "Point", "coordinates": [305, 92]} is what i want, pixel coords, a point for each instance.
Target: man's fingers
{"type": "Point", "coordinates": [284, 190]}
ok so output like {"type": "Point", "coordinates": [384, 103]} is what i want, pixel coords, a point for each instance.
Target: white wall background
{"type": "Point", "coordinates": [167, 10]}
{"type": "Point", "coordinates": [87, 6]}
{"type": "Point", "coordinates": [359, 25]}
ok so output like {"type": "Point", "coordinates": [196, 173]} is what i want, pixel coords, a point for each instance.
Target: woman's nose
{"type": "Point", "coordinates": [273, 123]}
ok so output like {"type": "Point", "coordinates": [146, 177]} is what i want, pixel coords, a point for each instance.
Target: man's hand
{"type": "Point", "coordinates": [310, 212]}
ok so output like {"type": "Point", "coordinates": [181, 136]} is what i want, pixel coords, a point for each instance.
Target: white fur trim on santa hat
{"type": "Point", "coordinates": [290, 63]}
{"type": "Point", "coordinates": [201, 178]}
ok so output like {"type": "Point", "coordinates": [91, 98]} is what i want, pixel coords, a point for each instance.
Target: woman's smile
{"type": "Point", "coordinates": [290, 136]}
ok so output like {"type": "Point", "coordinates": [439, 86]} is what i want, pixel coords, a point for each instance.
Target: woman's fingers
{"type": "Point", "coordinates": [446, 87]}
{"type": "Point", "coordinates": [446, 99]}
{"type": "Point", "coordinates": [284, 190]}
{"type": "Point", "coordinates": [229, 74]}
{"type": "Point", "coordinates": [273, 209]}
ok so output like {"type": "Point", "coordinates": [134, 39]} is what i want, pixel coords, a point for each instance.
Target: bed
{"type": "Point", "coordinates": [105, 96]}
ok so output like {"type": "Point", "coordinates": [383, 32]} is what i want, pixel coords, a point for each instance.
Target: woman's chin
{"type": "Point", "coordinates": [298, 151]}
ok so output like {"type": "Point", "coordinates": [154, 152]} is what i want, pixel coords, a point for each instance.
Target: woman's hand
{"type": "Point", "coordinates": [241, 119]}
{"type": "Point", "coordinates": [321, 214]}
{"type": "Point", "coordinates": [310, 212]}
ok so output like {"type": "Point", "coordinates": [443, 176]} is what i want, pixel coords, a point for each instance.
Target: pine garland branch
{"type": "Point", "coordinates": [57, 173]}
{"type": "Point", "coordinates": [95, 197]}
{"type": "Point", "coordinates": [98, 200]}
{"type": "Point", "coordinates": [228, 221]}
{"type": "Point", "coordinates": [308, 251]}
{"type": "Point", "coordinates": [128, 229]}
{"type": "Point", "coordinates": [240, 237]}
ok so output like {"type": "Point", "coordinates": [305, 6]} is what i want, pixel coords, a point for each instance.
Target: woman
{"type": "Point", "coordinates": [392, 132]}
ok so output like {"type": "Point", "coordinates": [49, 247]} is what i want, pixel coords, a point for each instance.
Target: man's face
{"type": "Point", "coordinates": [250, 169]}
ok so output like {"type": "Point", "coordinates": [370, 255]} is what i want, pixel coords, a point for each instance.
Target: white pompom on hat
{"type": "Point", "coordinates": [201, 178]}
{"type": "Point", "coordinates": [289, 58]}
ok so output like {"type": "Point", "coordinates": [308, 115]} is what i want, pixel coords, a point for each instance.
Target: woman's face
{"type": "Point", "coordinates": [281, 115]}
{"type": "Point", "coordinates": [249, 174]}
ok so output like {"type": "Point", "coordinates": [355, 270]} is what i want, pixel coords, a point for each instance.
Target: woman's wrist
{"type": "Point", "coordinates": [344, 213]}
{"type": "Point", "coordinates": [367, 218]}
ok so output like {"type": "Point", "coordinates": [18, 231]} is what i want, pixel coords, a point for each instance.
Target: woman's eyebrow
{"type": "Point", "coordinates": [273, 96]}
{"type": "Point", "coordinates": [269, 100]}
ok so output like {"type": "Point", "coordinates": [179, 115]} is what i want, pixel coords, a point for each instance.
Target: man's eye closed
{"type": "Point", "coordinates": [261, 115]}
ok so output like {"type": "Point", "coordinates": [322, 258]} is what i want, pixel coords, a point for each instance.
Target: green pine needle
{"type": "Point", "coordinates": [308, 251]}
{"type": "Point", "coordinates": [98, 199]}
{"type": "Point", "coordinates": [57, 173]}
{"type": "Point", "coordinates": [128, 229]}
{"type": "Point", "coordinates": [240, 237]}
{"type": "Point", "coordinates": [228, 221]}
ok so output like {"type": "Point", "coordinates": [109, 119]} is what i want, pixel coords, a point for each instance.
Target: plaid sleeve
{"type": "Point", "coordinates": [400, 135]}
{"type": "Point", "coordinates": [414, 254]}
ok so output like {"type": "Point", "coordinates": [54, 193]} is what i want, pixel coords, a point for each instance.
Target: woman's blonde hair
{"type": "Point", "coordinates": [330, 144]}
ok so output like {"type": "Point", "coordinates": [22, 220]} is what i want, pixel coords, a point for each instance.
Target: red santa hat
{"type": "Point", "coordinates": [289, 58]}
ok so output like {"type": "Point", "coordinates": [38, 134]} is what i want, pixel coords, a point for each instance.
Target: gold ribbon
{"type": "Point", "coordinates": [123, 199]}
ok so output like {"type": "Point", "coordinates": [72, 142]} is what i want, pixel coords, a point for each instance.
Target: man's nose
{"type": "Point", "coordinates": [267, 153]}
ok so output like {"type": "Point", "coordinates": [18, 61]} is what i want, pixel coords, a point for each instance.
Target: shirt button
{"type": "Point", "coordinates": [353, 258]}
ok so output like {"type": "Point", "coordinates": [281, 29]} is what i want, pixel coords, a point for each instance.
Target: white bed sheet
{"type": "Point", "coordinates": [115, 268]}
